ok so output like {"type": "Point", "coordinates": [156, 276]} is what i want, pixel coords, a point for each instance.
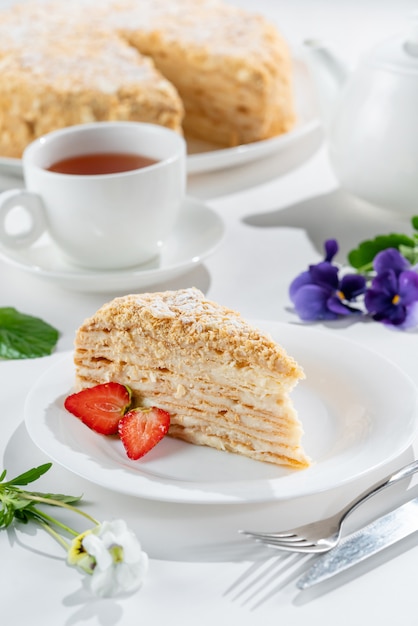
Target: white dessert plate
{"type": "Point", "coordinates": [198, 232]}
{"type": "Point", "coordinates": [204, 157]}
{"type": "Point", "coordinates": [359, 412]}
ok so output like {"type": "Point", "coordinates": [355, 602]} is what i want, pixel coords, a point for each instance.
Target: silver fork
{"type": "Point", "coordinates": [323, 535]}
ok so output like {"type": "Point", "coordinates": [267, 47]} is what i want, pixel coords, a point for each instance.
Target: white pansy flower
{"type": "Point", "coordinates": [109, 552]}
{"type": "Point", "coordinates": [113, 555]}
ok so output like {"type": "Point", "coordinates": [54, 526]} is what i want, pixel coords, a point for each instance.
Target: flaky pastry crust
{"type": "Point", "coordinates": [225, 383]}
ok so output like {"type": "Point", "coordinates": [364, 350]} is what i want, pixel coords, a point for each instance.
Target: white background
{"type": "Point", "coordinates": [277, 212]}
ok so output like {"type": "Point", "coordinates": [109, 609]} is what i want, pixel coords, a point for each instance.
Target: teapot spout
{"type": "Point", "coordinates": [329, 74]}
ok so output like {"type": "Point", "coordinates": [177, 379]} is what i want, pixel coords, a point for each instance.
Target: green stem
{"type": "Point", "coordinates": [56, 535]}
{"type": "Point", "coordinates": [41, 514]}
{"type": "Point", "coordinates": [64, 505]}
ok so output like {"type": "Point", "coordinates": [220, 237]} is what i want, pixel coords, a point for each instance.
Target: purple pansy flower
{"type": "Point", "coordinates": [393, 296]}
{"type": "Point", "coordinates": [319, 294]}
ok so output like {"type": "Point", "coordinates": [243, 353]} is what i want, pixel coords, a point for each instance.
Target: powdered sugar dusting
{"type": "Point", "coordinates": [58, 32]}
{"type": "Point", "coordinates": [226, 29]}
{"type": "Point", "coordinates": [190, 306]}
{"type": "Point", "coordinates": [67, 47]}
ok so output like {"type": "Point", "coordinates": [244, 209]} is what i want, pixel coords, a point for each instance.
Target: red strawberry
{"type": "Point", "coordinates": [141, 429]}
{"type": "Point", "coordinates": [100, 407]}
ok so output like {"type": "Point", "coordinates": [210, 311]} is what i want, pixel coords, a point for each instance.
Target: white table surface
{"type": "Point", "coordinates": [277, 213]}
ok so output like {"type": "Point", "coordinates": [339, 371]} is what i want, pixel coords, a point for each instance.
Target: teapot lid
{"type": "Point", "coordinates": [399, 54]}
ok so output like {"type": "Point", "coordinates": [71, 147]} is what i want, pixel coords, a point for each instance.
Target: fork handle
{"type": "Point", "coordinates": [404, 472]}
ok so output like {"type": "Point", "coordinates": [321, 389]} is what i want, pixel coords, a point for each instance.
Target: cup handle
{"type": "Point", "coordinates": [31, 203]}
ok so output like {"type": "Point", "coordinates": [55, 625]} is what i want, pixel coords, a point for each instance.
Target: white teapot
{"type": "Point", "coordinates": [371, 120]}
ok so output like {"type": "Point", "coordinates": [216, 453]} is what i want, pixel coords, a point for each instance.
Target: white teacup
{"type": "Point", "coordinates": [100, 221]}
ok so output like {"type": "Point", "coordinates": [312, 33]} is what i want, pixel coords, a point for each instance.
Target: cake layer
{"type": "Point", "coordinates": [224, 383]}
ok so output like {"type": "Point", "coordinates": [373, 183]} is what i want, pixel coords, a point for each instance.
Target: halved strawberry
{"type": "Point", "coordinates": [100, 407]}
{"type": "Point", "coordinates": [141, 429]}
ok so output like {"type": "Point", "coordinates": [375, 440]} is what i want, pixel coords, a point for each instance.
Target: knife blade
{"type": "Point", "coordinates": [362, 544]}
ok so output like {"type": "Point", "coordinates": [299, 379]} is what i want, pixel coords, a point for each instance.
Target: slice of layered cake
{"type": "Point", "coordinates": [224, 383]}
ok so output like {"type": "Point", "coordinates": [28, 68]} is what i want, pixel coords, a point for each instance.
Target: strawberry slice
{"type": "Point", "coordinates": [141, 429]}
{"type": "Point", "coordinates": [100, 407]}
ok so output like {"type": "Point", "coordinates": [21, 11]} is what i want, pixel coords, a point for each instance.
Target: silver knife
{"type": "Point", "coordinates": [360, 545]}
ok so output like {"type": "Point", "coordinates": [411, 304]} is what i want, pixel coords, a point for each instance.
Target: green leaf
{"type": "Point", "coordinates": [415, 222]}
{"type": "Point", "coordinates": [19, 504]}
{"type": "Point", "coordinates": [60, 497]}
{"type": "Point", "coordinates": [23, 336]}
{"type": "Point", "coordinates": [361, 258]}
{"type": "Point", "coordinates": [411, 254]}
{"type": "Point", "coordinates": [30, 476]}
{"type": "Point", "coordinates": [23, 516]}
{"type": "Point", "coordinates": [7, 517]}
{"type": "Point", "coordinates": [22, 506]}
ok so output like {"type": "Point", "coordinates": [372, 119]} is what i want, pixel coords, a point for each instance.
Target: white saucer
{"type": "Point", "coordinates": [197, 234]}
